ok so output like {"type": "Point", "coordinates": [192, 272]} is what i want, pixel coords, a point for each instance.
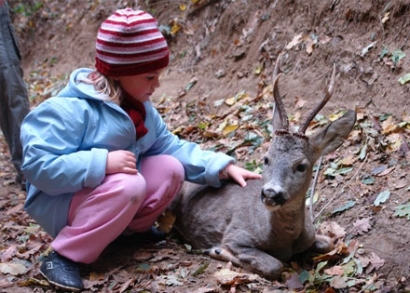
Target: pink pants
{"type": "Point", "coordinates": [122, 202]}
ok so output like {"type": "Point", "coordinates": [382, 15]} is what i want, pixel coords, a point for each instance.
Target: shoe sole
{"type": "Point", "coordinates": [59, 285]}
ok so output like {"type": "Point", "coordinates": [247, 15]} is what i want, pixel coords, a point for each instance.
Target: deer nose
{"type": "Point", "coordinates": [270, 196]}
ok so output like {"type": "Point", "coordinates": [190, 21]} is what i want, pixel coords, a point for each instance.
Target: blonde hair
{"type": "Point", "coordinates": [107, 86]}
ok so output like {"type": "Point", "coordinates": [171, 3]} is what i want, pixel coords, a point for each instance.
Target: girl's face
{"type": "Point", "coordinates": [140, 86]}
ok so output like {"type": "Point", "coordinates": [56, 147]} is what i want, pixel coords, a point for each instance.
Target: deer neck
{"type": "Point", "coordinates": [291, 217]}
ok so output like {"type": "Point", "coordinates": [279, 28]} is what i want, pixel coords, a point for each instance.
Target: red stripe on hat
{"type": "Point", "coordinates": [131, 69]}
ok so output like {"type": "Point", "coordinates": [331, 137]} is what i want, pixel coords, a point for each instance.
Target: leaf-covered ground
{"type": "Point", "coordinates": [217, 91]}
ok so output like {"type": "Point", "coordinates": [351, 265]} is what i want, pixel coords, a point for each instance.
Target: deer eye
{"type": "Point", "coordinates": [301, 167]}
{"type": "Point", "coordinates": [265, 161]}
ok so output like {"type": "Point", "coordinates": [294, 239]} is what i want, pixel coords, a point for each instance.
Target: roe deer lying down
{"type": "Point", "coordinates": [259, 226]}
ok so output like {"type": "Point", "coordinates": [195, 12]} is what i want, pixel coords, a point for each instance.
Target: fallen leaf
{"type": "Point", "coordinates": [334, 271]}
{"type": "Point", "coordinates": [293, 283]}
{"type": "Point", "coordinates": [382, 197]}
{"type": "Point", "coordinates": [379, 169]}
{"type": "Point", "coordinates": [367, 49]}
{"type": "Point", "coordinates": [166, 221]}
{"type": "Point", "coordinates": [348, 205]}
{"type": "Point", "coordinates": [126, 285]}
{"type": "Point", "coordinates": [404, 79]}
{"type": "Point", "coordinates": [295, 41]}
{"type": "Point", "coordinates": [228, 277]}
{"type": "Point", "coordinates": [332, 229]}
{"type": "Point", "coordinates": [348, 161]}
{"type": "Point", "coordinates": [8, 253]}
{"type": "Point", "coordinates": [403, 211]}
{"type": "Point", "coordinates": [229, 128]}
{"type": "Point", "coordinates": [386, 17]}
{"type": "Point", "coordinates": [400, 184]}
{"type": "Point", "coordinates": [362, 226]}
{"type": "Point", "coordinates": [338, 282]}
{"type": "Point", "coordinates": [375, 263]}
{"type": "Point", "coordinates": [11, 268]}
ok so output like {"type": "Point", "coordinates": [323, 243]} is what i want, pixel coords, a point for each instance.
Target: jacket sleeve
{"type": "Point", "coordinates": [201, 166]}
{"type": "Point", "coordinates": [51, 135]}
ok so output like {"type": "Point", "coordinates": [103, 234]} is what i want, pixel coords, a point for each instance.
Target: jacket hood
{"type": "Point", "coordinates": [78, 89]}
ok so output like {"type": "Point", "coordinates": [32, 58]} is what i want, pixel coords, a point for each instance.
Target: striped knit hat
{"type": "Point", "coordinates": [130, 43]}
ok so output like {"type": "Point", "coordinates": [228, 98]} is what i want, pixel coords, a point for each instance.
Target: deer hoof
{"type": "Point", "coordinates": [323, 244]}
{"type": "Point", "coordinates": [223, 254]}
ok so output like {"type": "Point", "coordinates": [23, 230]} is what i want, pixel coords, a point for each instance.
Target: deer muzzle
{"type": "Point", "coordinates": [273, 197]}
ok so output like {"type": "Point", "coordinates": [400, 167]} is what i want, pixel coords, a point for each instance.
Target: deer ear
{"type": "Point", "coordinates": [333, 135]}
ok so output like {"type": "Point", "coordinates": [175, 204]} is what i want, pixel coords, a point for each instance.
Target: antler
{"type": "Point", "coordinates": [329, 92]}
{"type": "Point", "coordinates": [278, 99]}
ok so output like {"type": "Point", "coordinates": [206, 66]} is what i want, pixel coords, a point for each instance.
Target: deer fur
{"type": "Point", "coordinates": [262, 225]}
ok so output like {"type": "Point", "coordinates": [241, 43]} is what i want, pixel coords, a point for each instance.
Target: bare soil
{"type": "Point", "coordinates": [222, 49]}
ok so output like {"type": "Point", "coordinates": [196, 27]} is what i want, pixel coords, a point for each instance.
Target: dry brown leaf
{"type": "Point", "coordinates": [143, 255]}
{"type": "Point", "coordinates": [360, 114]}
{"type": "Point", "coordinates": [126, 285]}
{"type": "Point", "coordinates": [375, 263]}
{"type": "Point", "coordinates": [386, 172]}
{"type": "Point", "coordinates": [338, 282]}
{"type": "Point", "coordinates": [36, 247]}
{"type": "Point", "coordinates": [334, 271]}
{"type": "Point", "coordinates": [334, 255]}
{"type": "Point", "coordinates": [348, 161]}
{"type": "Point", "coordinates": [388, 126]}
{"type": "Point", "coordinates": [206, 290]}
{"type": "Point", "coordinates": [94, 276]}
{"type": "Point", "coordinates": [362, 226]}
{"type": "Point", "coordinates": [365, 261]}
{"type": "Point", "coordinates": [295, 42]}
{"type": "Point", "coordinates": [15, 209]}
{"type": "Point", "coordinates": [293, 282]}
{"type": "Point", "coordinates": [331, 229]}
{"type": "Point", "coordinates": [300, 103]}
{"type": "Point", "coordinates": [228, 277]}
{"type": "Point", "coordinates": [400, 184]}
{"type": "Point", "coordinates": [8, 253]}
{"type": "Point", "coordinates": [10, 268]}
{"type": "Point", "coordinates": [166, 221]}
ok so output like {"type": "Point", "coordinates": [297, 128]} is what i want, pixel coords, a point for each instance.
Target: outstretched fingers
{"type": "Point", "coordinates": [240, 175]}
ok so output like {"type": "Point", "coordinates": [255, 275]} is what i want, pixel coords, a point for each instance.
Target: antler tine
{"type": "Point", "coordinates": [329, 92]}
{"type": "Point", "coordinates": [278, 99]}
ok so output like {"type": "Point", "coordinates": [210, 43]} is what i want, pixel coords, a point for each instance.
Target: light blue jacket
{"type": "Point", "coordinates": [66, 140]}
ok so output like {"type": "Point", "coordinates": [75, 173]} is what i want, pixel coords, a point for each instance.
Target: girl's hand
{"type": "Point", "coordinates": [121, 162]}
{"type": "Point", "coordinates": [238, 174]}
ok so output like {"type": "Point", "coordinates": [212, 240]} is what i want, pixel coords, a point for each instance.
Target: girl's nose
{"type": "Point", "coordinates": [156, 83]}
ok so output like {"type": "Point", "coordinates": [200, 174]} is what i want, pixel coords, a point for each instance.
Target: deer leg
{"type": "Point", "coordinates": [308, 240]}
{"type": "Point", "coordinates": [222, 254]}
{"type": "Point", "coordinates": [322, 244]}
{"type": "Point", "coordinates": [257, 261]}
{"type": "Point", "coordinates": [305, 240]}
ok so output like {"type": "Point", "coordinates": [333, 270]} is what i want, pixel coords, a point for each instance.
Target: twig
{"type": "Point", "coordinates": [312, 190]}
{"type": "Point", "coordinates": [342, 189]}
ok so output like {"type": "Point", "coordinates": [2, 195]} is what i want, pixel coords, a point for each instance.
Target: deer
{"type": "Point", "coordinates": [259, 227]}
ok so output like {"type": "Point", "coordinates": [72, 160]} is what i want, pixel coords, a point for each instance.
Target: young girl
{"type": "Point", "coordinates": [99, 159]}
